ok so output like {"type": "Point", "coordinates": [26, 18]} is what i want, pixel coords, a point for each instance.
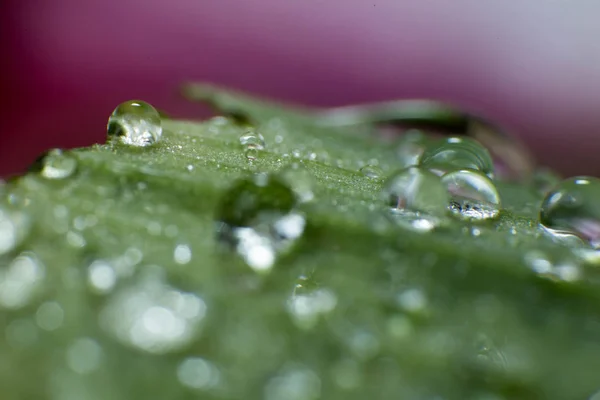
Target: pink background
{"type": "Point", "coordinates": [531, 65]}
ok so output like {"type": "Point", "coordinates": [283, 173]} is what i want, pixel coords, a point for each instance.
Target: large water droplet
{"type": "Point", "coordinates": [153, 317]}
{"type": "Point", "coordinates": [574, 206]}
{"type": "Point", "coordinates": [135, 123]}
{"type": "Point", "coordinates": [55, 164]}
{"type": "Point", "coordinates": [473, 195]}
{"type": "Point", "coordinates": [415, 189]}
{"type": "Point", "coordinates": [258, 219]}
{"type": "Point", "coordinates": [457, 153]}
{"type": "Point", "coordinates": [14, 226]}
{"type": "Point", "coordinates": [409, 147]}
{"type": "Point", "coordinates": [20, 280]}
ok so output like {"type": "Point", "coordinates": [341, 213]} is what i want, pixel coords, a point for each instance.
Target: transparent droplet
{"type": "Point", "coordinates": [14, 227]}
{"type": "Point", "coordinates": [55, 164]}
{"type": "Point", "coordinates": [455, 153]}
{"type": "Point", "coordinates": [252, 140]}
{"type": "Point", "coordinates": [409, 147]}
{"type": "Point", "coordinates": [20, 280]}
{"type": "Point", "coordinates": [371, 171]}
{"type": "Point", "coordinates": [198, 373]}
{"type": "Point", "coordinates": [574, 206]}
{"type": "Point", "coordinates": [135, 123]}
{"type": "Point", "coordinates": [251, 154]}
{"type": "Point", "coordinates": [182, 254]}
{"type": "Point", "coordinates": [102, 276]}
{"type": "Point", "coordinates": [153, 317]}
{"type": "Point", "coordinates": [258, 219]}
{"type": "Point", "coordinates": [473, 195]}
{"type": "Point", "coordinates": [417, 190]}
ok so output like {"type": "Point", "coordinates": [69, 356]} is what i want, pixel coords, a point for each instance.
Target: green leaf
{"type": "Point", "coordinates": [115, 284]}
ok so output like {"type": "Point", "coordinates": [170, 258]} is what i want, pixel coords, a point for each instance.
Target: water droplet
{"type": "Point", "coordinates": [294, 383]}
{"type": "Point", "coordinates": [251, 154]}
{"type": "Point", "coordinates": [54, 164]}
{"type": "Point", "coordinates": [153, 317]}
{"type": "Point", "coordinates": [198, 373]}
{"type": "Point", "coordinates": [14, 226]}
{"type": "Point", "coordinates": [49, 316]}
{"type": "Point", "coordinates": [457, 153]}
{"type": "Point", "coordinates": [574, 206]}
{"type": "Point", "coordinates": [473, 195]}
{"type": "Point", "coordinates": [409, 147]}
{"type": "Point", "coordinates": [135, 123]}
{"type": "Point", "coordinates": [415, 189]}
{"type": "Point", "coordinates": [252, 140]}
{"type": "Point", "coordinates": [84, 355]}
{"type": "Point", "coordinates": [20, 280]}
{"type": "Point", "coordinates": [371, 171]}
{"type": "Point", "coordinates": [182, 254]}
{"type": "Point", "coordinates": [412, 300]}
{"type": "Point", "coordinates": [258, 219]}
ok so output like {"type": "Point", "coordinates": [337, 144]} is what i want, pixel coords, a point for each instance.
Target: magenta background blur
{"type": "Point", "coordinates": [533, 65]}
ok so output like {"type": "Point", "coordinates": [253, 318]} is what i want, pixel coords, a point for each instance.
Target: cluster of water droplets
{"type": "Point", "coordinates": [447, 175]}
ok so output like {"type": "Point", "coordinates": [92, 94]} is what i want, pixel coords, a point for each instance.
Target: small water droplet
{"type": "Point", "coordinates": [190, 167]}
{"type": "Point", "coordinates": [371, 171]}
{"type": "Point", "coordinates": [251, 154]}
{"type": "Point", "coordinates": [20, 280]}
{"type": "Point", "coordinates": [83, 356]}
{"type": "Point", "coordinates": [198, 373]}
{"type": "Point", "coordinates": [305, 306]}
{"type": "Point", "coordinates": [153, 316]}
{"type": "Point", "coordinates": [573, 206]}
{"type": "Point", "coordinates": [14, 227]}
{"type": "Point", "coordinates": [252, 140]}
{"type": "Point", "coordinates": [54, 164]}
{"type": "Point", "coordinates": [454, 153]}
{"type": "Point", "coordinates": [415, 189]}
{"type": "Point", "coordinates": [412, 300]}
{"type": "Point", "coordinates": [135, 123]}
{"type": "Point", "coordinates": [473, 195]}
{"type": "Point", "coordinates": [258, 219]}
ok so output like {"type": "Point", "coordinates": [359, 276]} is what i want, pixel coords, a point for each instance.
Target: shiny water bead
{"type": "Point", "coordinates": [409, 147]}
{"type": "Point", "coordinates": [457, 153]}
{"type": "Point", "coordinates": [252, 139]}
{"type": "Point", "coordinates": [54, 164]}
{"type": "Point", "coordinates": [473, 195]}
{"type": "Point", "coordinates": [415, 189]}
{"type": "Point", "coordinates": [258, 219]}
{"type": "Point", "coordinates": [371, 171]}
{"type": "Point", "coordinates": [14, 226]}
{"type": "Point", "coordinates": [574, 206]}
{"type": "Point", "coordinates": [135, 123]}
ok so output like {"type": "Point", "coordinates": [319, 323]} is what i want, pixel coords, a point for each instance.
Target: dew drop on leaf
{"type": "Point", "coordinates": [20, 280]}
{"type": "Point", "coordinates": [574, 206]}
{"type": "Point", "coordinates": [252, 140]}
{"type": "Point", "coordinates": [257, 218]}
{"type": "Point", "coordinates": [371, 171]}
{"type": "Point", "coordinates": [415, 189]}
{"type": "Point", "coordinates": [454, 153]}
{"type": "Point", "coordinates": [473, 195]}
{"type": "Point", "coordinates": [54, 164]}
{"type": "Point", "coordinates": [135, 123]}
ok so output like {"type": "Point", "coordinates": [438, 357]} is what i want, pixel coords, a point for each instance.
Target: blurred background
{"type": "Point", "coordinates": [533, 67]}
